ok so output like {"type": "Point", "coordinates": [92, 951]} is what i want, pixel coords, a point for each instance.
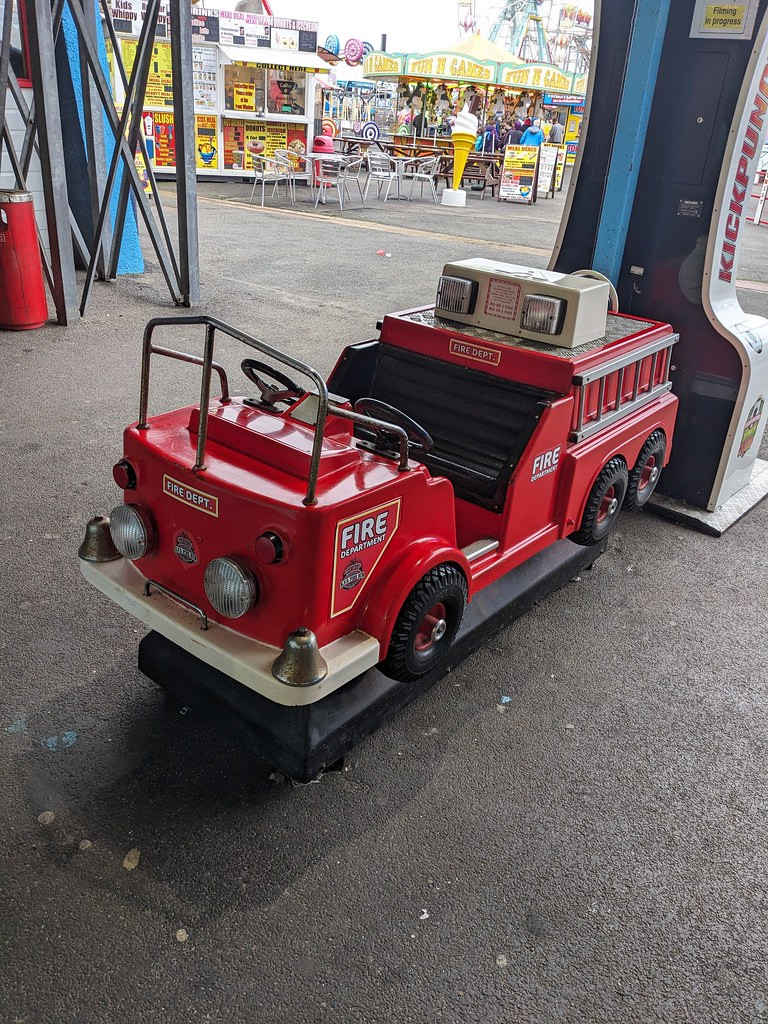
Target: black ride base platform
{"type": "Point", "coordinates": [302, 741]}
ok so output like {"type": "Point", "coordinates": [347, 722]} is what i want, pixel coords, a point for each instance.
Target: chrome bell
{"type": "Point", "coordinates": [97, 545]}
{"type": "Point", "coordinates": [301, 663]}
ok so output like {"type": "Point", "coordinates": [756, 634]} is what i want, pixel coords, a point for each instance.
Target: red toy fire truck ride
{"type": "Point", "coordinates": [296, 536]}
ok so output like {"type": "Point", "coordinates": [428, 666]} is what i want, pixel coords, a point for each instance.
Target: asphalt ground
{"type": "Point", "coordinates": [571, 826]}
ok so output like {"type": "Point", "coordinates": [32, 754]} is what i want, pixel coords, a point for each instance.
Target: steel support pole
{"type": "Point", "coordinates": [5, 60]}
{"type": "Point", "coordinates": [134, 107]}
{"type": "Point", "coordinates": [186, 171]}
{"type": "Point", "coordinates": [51, 148]}
{"type": "Point", "coordinates": [118, 127]}
{"type": "Point", "coordinates": [118, 237]}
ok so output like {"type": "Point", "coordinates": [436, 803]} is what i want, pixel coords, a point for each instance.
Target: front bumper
{"type": "Point", "coordinates": [239, 657]}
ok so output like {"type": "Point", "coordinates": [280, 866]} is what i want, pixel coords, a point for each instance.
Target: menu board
{"type": "Point", "coordinates": [206, 145]}
{"type": "Point", "coordinates": [205, 25]}
{"type": "Point", "coordinates": [128, 17]}
{"type": "Point", "coordinates": [560, 167]}
{"type": "Point", "coordinates": [548, 157]}
{"type": "Point", "coordinates": [232, 28]}
{"type": "Point", "coordinates": [204, 72]}
{"type": "Point", "coordinates": [262, 137]}
{"type": "Point", "coordinates": [165, 138]}
{"type": "Point", "coordinates": [160, 81]}
{"type": "Point", "coordinates": [518, 173]}
{"type": "Point", "coordinates": [240, 28]}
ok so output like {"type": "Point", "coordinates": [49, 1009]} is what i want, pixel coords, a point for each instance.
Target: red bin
{"type": "Point", "coordinates": [322, 144]}
{"type": "Point", "coordinates": [23, 303]}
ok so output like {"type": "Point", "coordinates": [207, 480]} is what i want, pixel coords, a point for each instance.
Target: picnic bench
{"type": "Point", "coordinates": [482, 169]}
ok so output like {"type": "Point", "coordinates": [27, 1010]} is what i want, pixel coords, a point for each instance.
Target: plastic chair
{"type": "Point", "coordinates": [266, 169]}
{"type": "Point", "coordinates": [424, 170]}
{"type": "Point", "coordinates": [329, 174]}
{"type": "Point", "coordinates": [381, 169]}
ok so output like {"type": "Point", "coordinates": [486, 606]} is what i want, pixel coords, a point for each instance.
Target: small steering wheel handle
{"type": "Point", "coordinates": [269, 393]}
{"type": "Point", "coordinates": [419, 439]}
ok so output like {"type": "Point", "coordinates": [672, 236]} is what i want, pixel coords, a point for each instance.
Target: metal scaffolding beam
{"type": "Point", "coordinates": [43, 139]}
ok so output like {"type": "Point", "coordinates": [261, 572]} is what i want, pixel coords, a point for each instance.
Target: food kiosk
{"type": "Point", "coordinates": [254, 86]}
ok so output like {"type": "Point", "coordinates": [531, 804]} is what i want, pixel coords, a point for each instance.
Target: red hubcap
{"type": "Point", "coordinates": [431, 628]}
{"type": "Point", "coordinates": [608, 505]}
{"type": "Point", "coordinates": [649, 474]}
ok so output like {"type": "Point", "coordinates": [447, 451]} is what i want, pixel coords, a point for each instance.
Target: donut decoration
{"type": "Point", "coordinates": [333, 44]}
{"type": "Point", "coordinates": [370, 131]}
{"type": "Point", "coordinates": [353, 51]}
{"type": "Point", "coordinates": [328, 127]}
{"type": "Point", "coordinates": [356, 127]}
{"type": "Point", "coordinates": [367, 48]}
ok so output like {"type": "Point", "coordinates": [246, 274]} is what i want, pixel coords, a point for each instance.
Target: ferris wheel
{"type": "Point", "coordinates": [539, 30]}
{"type": "Point", "coordinates": [520, 29]}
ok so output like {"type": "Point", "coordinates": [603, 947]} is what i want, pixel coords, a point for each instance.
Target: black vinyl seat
{"type": "Point", "coordinates": [480, 424]}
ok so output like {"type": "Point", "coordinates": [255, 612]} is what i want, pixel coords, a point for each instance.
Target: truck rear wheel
{"type": "Point", "coordinates": [427, 624]}
{"type": "Point", "coordinates": [645, 475]}
{"type": "Point", "coordinates": [603, 504]}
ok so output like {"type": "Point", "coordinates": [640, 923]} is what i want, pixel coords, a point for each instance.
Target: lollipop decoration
{"type": "Point", "coordinates": [367, 48]}
{"type": "Point", "coordinates": [370, 131]}
{"type": "Point", "coordinates": [356, 127]}
{"type": "Point", "coordinates": [333, 45]}
{"type": "Point", "coordinates": [353, 51]}
{"type": "Point", "coordinates": [328, 127]}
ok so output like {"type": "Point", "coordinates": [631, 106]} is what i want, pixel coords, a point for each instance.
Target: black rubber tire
{"type": "Point", "coordinates": [594, 525]}
{"type": "Point", "coordinates": [655, 447]}
{"type": "Point", "coordinates": [446, 585]}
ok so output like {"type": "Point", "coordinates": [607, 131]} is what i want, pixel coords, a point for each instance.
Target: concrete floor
{"type": "Point", "coordinates": [590, 851]}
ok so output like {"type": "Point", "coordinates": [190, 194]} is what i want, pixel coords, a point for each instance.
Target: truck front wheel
{"type": "Point", "coordinates": [427, 624]}
{"type": "Point", "coordinates": [603, 504]}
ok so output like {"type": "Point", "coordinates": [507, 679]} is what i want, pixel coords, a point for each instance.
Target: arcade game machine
{"type": "Point", "coordinates": [676, 120]}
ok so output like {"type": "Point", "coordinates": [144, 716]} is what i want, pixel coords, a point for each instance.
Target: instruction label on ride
{"type": "Point", "coordinates": [189, 496]}
{"type": "Point", "coordinates": [502, 298]}
{"type": "Point", "coordinates": [360, 542]}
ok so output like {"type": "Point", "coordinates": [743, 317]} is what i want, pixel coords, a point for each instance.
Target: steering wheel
{"type": "Point", "coordinates": [269, 393]}
{"type": "Point", "coordinates": [418, 438]}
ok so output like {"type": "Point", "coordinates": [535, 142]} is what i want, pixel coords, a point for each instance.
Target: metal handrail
{"type": "Point", "coordinates": [369, 421]}
{"type": "Point", "coordinates": [212, 324]}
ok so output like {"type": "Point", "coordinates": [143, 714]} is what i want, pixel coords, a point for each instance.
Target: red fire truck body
{"type": "Point", "coordinates": [274, 529]}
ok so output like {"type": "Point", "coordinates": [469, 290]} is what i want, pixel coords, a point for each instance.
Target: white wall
{"type": "Point", "coordinates": [15, 124]}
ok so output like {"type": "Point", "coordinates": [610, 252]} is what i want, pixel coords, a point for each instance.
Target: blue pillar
{"type": "Point", "coordinates": [131, 260]}
{"type": "Point", "coordinates": [629, 141]}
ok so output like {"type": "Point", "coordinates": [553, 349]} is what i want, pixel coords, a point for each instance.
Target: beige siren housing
{"type": "Point", "coordinates": [556, 309]}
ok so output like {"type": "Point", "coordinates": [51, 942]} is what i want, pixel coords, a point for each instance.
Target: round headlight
{"type": "Point", "coordinates": [131, 530]}
{"type": "Point", "coordinates": [230, 587]}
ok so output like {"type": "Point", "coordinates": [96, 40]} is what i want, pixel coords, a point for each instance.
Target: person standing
{"type": "Point", "coordinates": [515, 133]}
{"type": "Point", "coordinates": [533, 136]}
{"type": "Point", "coordinates": [556, 133]}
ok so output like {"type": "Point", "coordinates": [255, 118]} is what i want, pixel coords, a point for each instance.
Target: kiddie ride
{"type": "Point", "coordinates": [312, 558]}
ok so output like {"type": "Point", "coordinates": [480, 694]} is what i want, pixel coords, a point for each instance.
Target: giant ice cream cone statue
{"type": "Point", "coordinates": [464, 137]}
